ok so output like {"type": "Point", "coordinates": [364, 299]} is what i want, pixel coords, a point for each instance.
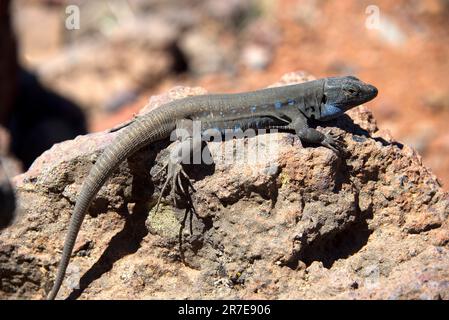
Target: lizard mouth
{"type": "Point", "coordinates": [372, 92]}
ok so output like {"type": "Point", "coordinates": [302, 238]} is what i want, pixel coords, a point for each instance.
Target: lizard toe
{"type": "Point", "coordinates": [335, 145]}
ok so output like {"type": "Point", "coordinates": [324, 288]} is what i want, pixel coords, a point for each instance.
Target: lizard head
{"type": "Point", "coordinates": [343, 93]}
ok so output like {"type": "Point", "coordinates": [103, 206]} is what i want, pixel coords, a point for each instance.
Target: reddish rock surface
{"type": "Point", "coordinates": [298, 223]}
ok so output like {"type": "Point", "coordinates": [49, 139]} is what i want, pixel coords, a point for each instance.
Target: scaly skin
{"type": "Point", "coordinates": [287, 107]}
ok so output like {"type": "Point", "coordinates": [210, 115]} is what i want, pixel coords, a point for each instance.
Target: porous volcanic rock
{"type": "Point", "coordinates": [292, 222]}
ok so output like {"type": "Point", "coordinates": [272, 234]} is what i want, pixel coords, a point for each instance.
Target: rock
{"type": "Point", "coordinates": [7, 198]}
{"type": "Point", "coordinates": [9, 167]}
{"type": "Point", "coordinates": [260, 40]}
{"type": "Point", "coordinates": [278, 221]}
{"type": "Point", "coordinates": [205, 52]}
{"type": "Point", "coordinates": [227, 11]}
{"type": "Point", "coordinates": [256, 57]}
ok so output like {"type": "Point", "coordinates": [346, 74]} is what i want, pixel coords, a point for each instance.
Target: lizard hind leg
{"type": "Point", "coordinates": [180, 154]}
{"type": "Point", "coordinates": [176, 176]}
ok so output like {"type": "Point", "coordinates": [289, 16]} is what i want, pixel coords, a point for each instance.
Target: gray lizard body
{"type": "Point", "coordinates": [289, 107]}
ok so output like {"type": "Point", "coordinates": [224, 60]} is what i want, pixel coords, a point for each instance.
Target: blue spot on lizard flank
{"type": "Point", "coordinates": [278, 105]}
{"type": "Point", "coordinates": [253, 109]}
{"type": "Point", "coordinates": [291, 102]}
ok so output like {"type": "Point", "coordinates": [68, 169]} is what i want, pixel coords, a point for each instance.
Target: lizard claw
{"type": "Point", "coordinates": [164, 167]}
{"type": "Point", "coordinates": [336, 136]}
{"type": "Point", "coordinates": [176, 175]}
{"type": "Point", "coordinates": [333, 143]}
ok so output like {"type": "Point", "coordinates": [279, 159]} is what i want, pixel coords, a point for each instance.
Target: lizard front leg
{"type": "Point", "coordinates": [310, 135]}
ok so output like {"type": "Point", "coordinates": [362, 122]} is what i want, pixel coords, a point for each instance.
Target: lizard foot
{"type": "Point", "coordinates": [176, 175]}
{"type": "Point", "coordinates": [334, 143]}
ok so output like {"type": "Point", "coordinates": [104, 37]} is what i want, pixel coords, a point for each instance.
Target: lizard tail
{"type": "Point", "coordinates": [81, 207]}
{"type": "Point", "coordinates": [98, 175]}
{"type": "Point", "coordinates": [137, 135]}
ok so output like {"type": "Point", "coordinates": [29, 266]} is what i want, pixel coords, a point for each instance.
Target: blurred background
{"type": "Point", "coordinates": [70, 67]}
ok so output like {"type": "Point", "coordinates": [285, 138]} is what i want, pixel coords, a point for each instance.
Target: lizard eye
{"type": "Point", "coordinates": [351, 91]}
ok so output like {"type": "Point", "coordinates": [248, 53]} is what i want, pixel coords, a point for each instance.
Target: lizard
{"type": "Point", "coordinates": [290, 107]}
